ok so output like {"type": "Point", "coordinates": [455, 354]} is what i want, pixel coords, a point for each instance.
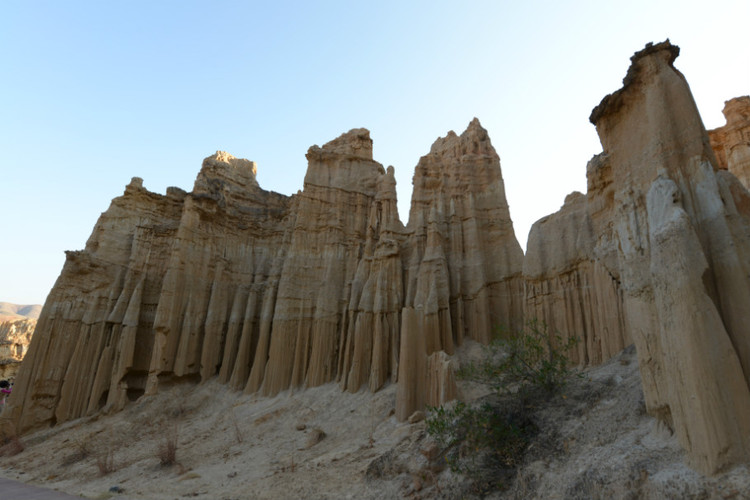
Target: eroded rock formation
{"type": "Point", "coordinates": [731, 143]}
{"type": "Point", "coordinates": [15, 337]}
{"type": "Point", "coordinates": [464, 262]}
{"type": "Point", "coordinates": [682, 235]}
{"type": "Point", "coordinates": [270, 292]}
{"type": "Point", "coordinates": [657, 252]}
{"type": "Point", "coordinates": [571, 274]}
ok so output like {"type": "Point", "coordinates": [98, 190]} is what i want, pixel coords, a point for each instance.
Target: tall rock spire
{"type": "Point", "coordinates": [682, 251]}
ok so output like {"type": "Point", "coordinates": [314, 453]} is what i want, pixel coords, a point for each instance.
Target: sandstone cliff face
{"type": "Point", "coordinates": [464, 262]}
{"type": "Point", "coordinates": [681, 229]}
{"type": "Point", "coordinates": [100, 312]}
{"type": "Point", "coordinates": [220, 277]}
{"type": "Point", "coordinates": [571, 276]}
{"type": "Point", "coordinates": [270, 292]}
{"type": "Point", "coordinates": [656, 252]}
{"type": "Point", "coordinates": [731, 143]}
{"type": "Point", "coordinates": [15, 337]}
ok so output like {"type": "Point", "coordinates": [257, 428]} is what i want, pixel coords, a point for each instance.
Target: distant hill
{"type": "Point", "coordinates": [12, 312]}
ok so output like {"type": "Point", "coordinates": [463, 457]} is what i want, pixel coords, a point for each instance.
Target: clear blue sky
{"type": "Point", "coordinates": [94, 93]}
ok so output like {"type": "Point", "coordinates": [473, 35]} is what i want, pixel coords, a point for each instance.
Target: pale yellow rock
{"type": "Point", "coordinates": [69, 371]}
{"type": "Point", "coordinates": [269, 292]}
{"type": "Point", "coordinates": [682, 250]}
{"type": "Point", "coordinates": [343, 244]}
{"type": "Point", "coordinates": [441, 379]}
{"type": "Point", "coordinates": [463, 259]}
{"type": "Point", "coordinates": [411, 392]}
{"type": "Point", "coordinates": [424, 379]}
{"type": "Point", "coordinates": [709, 399]}
{"type": "Point", "coordinates": [15, 337]}
{"type": "Point", "coordinates": [731, 143]}
{"type": "Point", "coordinates": [570, 284]}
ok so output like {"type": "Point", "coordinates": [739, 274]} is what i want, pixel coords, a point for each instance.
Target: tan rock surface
{"type": "Point", "coordinates": [15, 337]}
{"type": "Point", "coordinates": [731, 143]}
{"type": "Point", "coordinates": [464, 262]}
{"type": "Point", "coordinates": [343, 247]}
{"type": "Point", "coordinates": [270, 292]}
{"type": "Point", "coordinates": [568, 284]}
{"type": "Point", "coordinates": [682, 251]}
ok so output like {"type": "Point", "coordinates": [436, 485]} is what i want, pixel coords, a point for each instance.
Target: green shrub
{"type": "Point", "coordinates": [487, 440]}
{"type": "Point", "coordinates": [532, 360]}
{"type": "Point", "coordinates": [477, 435]}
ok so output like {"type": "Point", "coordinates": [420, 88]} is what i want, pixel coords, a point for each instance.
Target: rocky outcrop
{"type": "Point", "coordinates": [731, 143]}
{"type": "Point", "coordinates": [15, 337]}
{"type": "Point", "coordinates": [269, 292]}
{"type": "Point", "coordinates": [682, 239]}
{"type": "Point", "coordinates": [656, 251]}
{"type": "Point", "coordinates": [571, 275]}
{"type": "Point", "coordinates": [463, 263]}
{"type": "Point", "coordinates": [99, 316]}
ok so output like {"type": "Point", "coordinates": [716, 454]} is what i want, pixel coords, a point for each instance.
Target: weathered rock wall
{"type": "Point", "coordinates": [221, 276]}
{"type": "Point", "coordinates": [464, 261]}
{"type": "Point", "coordinates": [15, 337]}
{"type": "Point", "coordinates": [270, 292]}
{"type": "Point", "coordinates": [570, 285]}
{"type": "Point", "coordinates": [682, 242]}
{"type": "Point", "coordinates": [731, 143]}
{"type": "Point", "coordinates": [99, 311]}
{"type": "Point", "coordinates": [656, 252]}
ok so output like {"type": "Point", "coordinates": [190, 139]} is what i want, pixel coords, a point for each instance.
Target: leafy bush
{"type": "Point", "coordinates": [486, 441]}
{"type": "Point", "coordinates": [475, 435]}
{"type": "Point", "coordinates": [532, 360]}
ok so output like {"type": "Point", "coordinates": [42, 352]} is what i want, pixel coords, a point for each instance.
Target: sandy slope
{"type": "Point", "coordinates": [596, 442]}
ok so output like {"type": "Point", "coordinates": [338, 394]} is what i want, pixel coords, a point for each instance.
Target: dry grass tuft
{"type": "Point", "coordinates": [81, 451]}
{"type": "Point", "coordinates": [167, 452]}
{"type": "Point", "coordinates": [105, 462]}
{"type": "Point", "coordinates": [238, 434]}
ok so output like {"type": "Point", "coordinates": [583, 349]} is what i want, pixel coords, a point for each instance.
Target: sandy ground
{"type": "Point", "coordinates": [596, 441]}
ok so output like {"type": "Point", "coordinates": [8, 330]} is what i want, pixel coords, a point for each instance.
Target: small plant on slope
{"type": "Point", "coordinates": [168, 447]}
{"type": "Point", "coordinates": [487, 440]}
{"type": "Point", "coordinates": [530, 361]}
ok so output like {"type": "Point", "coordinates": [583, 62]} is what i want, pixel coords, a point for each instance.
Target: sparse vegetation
{"type": "Point", "coordinates": [105, 462]}
{"type": "Point", "coordinates": [81, 451]}
{"type": "Point", "coordinates": [486, 441]}
{"type": "Point", "coordinates": [531, 361]}
{"type": "Point", "coordinates": [238, 434]}
{"type": "Point", "coordinates": [168, 447]}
